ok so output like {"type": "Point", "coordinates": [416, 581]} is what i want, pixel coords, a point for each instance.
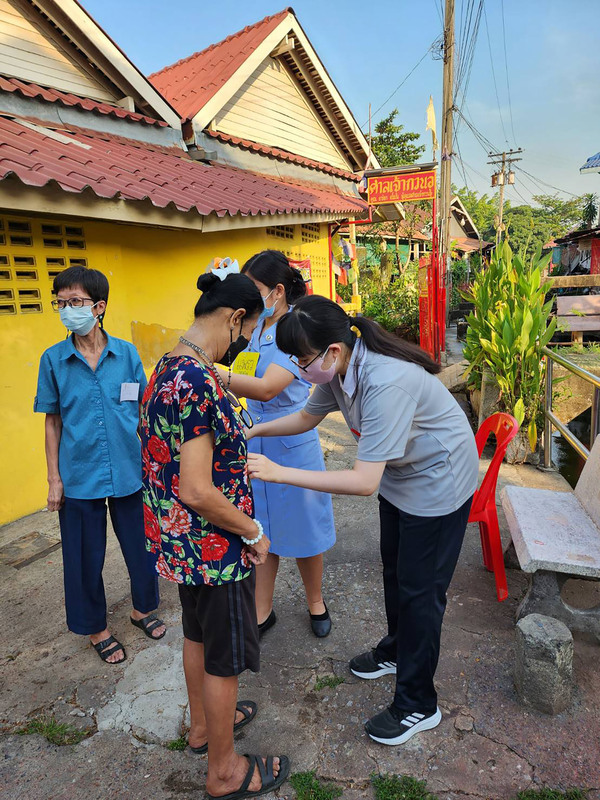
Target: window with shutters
{"type": "Point", "coordinates": [32, 253]}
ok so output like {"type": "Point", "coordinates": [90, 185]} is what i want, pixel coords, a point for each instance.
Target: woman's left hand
{"type": "Point", "coordinates": [261, 468]}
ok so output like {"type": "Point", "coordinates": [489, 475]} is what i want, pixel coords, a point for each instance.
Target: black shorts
{"type": "Point", "coordinates": [223, 619]}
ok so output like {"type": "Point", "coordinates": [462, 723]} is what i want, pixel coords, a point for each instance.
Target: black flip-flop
{"type": "Point", "coordinates": [268, 781]}
{"type": "Point", "coordinates": [149, 624]}
{"type": "Point", "coordinates": [263, 627]}
{"type": "Point", "coordinates": [248, 708]}
{"type": "Point", "coordinates": [107, 648]}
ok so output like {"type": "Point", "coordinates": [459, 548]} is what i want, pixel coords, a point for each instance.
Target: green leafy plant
{"type": "Point", "coordinates": [308, 787]}
{"type": "Point", "coordinates": [395, 307]}
{"type": "Point", "coordinates": [177, 744]}
{"type": "Point", "coordinates": [58, 733]}
{"type": "Point", "coordinates": [507, 330]}
{"type": "Point", "coordinates": [551, 794]}
{"type": "Point", "coordinates": [400, 787]}
{"type": "Point", "coordinates": [329, 682]}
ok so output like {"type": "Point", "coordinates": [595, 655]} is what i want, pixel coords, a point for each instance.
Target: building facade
{"type": "Point", "coordinates": [148, 182]}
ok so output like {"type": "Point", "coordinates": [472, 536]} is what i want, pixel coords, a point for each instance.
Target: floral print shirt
{"type": "Point", "coordinates": [183, 400]}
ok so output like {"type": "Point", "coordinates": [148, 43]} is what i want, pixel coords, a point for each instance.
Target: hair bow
{"type": "Point", "coordinates": [224, 267]}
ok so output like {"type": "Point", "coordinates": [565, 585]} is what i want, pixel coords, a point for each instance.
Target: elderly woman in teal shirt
{"type": "Point", "coordinates": [89, 387]}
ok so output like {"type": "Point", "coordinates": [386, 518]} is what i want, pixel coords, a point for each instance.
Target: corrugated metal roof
{"type": "Point", "coordinates": [32, 90]}
{"type": "Point", "coordinates": [282, 155]}
{"type": "Point", "coordinates": [592, 164]}
{"type": "Point", "coordinates": [191, 82]}
{"type": "Point", "coordinates": [77, 159]}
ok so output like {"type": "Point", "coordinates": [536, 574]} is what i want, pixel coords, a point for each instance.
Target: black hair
{"type": "Point", "coordinates": [316, 322]}
{"type": "Point", "coordinates": [272, 267]}
{"type": "Point", "coordinates": [92, 281]}
{"type": "Point", "coordinates": [236, 291]}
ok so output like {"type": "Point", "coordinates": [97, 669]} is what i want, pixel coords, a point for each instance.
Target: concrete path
{"type": "Point", "coordinates": [487, 746]}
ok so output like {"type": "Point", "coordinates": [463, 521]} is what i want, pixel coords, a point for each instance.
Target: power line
{"type": "Point", "coordinates": [487, 30]}
{"type": "Point", "coordinates": [539, 181]}
{"type": "Point", "coordinates": [400, 85]}
{"type": "Point", "coordinates": [467, 51]}
{"type": "Point", "coordinates": [512, 127]}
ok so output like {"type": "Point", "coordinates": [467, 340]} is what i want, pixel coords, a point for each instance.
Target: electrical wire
{"type": "Point", "coordinates": [487, 30]}
{"type": "Point", "coordinates": [512, 127]}
{"type": "Point", "coordinates": [540, 182]}
{"type": "Point", "coordinates": [400, 85]}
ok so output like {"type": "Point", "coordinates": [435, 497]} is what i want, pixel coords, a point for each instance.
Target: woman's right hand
{"type": "Point", "coordinates": [257, 553]}
{"type": "Point", "coordinates": [56, 495]}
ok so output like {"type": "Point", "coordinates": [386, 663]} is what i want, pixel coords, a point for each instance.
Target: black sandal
{"type": "Point", "coordinates": [149, 624]}
{"type": "Point", "coordinates": [248, 708]}
{"type": "Point", "coordinates": [109, 647]}
{"type": "Point", "coordinates": [268, 781]}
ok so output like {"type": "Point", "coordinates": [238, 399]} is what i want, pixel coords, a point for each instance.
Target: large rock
{"type": "Point", "coordinates": [544, 663]}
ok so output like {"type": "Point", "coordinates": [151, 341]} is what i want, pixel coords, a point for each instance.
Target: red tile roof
{"type": "Point", "coordinates": [282, 155]}
{"type": "Point", "coordinates": [55, 96]}
{"type": "Point", "coordinates": [116, 167]}
{"type": "Point", "coordinates": [467, 245]}
{"type": "Point", "coordinates": [190, 83]}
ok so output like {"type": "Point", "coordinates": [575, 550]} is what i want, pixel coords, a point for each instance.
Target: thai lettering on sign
{"type": "Point", "coordinates": [401, 188]}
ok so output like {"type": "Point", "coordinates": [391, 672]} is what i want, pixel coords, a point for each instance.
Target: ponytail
{"type": "Point", "coordinates": [271, 267]}
{"type": "Point", "coordinates": [316, 322]}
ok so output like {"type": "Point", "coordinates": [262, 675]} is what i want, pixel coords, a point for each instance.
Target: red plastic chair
{"type": "Point", "coordinates": [505, 428]}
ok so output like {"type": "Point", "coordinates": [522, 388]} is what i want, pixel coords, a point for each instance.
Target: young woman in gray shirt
{"type": "Point", "coordinates": [415, 446]}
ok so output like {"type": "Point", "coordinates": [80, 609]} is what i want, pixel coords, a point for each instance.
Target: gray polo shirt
{"type": "Point", "coordinates": [401, 414]}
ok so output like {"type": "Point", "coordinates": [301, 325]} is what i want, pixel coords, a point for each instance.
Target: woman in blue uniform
{"type": "Point", "coordinates": [299, 522]}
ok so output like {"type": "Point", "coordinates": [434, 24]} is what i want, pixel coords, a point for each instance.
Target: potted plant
{"type": "Point", "coordinates": [507, 330]}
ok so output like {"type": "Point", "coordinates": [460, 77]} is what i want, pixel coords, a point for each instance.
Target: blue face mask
{"type": "Point", "coordinates": [267, 312]}
{"type": "Point", "coordinates": [78, 320]}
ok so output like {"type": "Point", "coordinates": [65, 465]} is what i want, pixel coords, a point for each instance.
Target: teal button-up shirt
{"type": "Point", "coordinates": [99, 454]}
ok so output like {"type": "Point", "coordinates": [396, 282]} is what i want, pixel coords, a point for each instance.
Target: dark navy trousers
{"type": "Point", "coordinates": [419, 557]}
{"type": "Point", "coordinates": [83, 534]}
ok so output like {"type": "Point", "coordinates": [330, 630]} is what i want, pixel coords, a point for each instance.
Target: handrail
{"type": "Point", "coordinates": [551, 420]}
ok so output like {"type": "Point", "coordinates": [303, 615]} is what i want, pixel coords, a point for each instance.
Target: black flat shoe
{"type": "Point", "coordinates": [321, 623]}
{"type": "Point", "coordinates": [263, 627]}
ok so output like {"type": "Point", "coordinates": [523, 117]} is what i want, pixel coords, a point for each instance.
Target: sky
{"type": "Point", "coordinates": [543, 54]}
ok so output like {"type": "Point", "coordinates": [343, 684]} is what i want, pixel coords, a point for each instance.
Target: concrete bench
{"type": "Point", "coordinates": [556, 536]}
{"type": "Point", "coordinates": [579, 314]}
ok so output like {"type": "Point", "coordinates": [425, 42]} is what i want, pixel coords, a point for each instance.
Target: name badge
{"type": "Point", "coordinates": [245, 364]}
{"type": "Point", "coordinates": [130, 391]}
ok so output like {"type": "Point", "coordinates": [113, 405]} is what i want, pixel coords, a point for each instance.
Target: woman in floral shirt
{"type": "Point", "coordinates": [199, 524]}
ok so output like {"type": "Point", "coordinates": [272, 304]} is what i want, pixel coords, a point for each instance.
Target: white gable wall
{"type": "Point", "coordinates": [270, 108]}
{"type": "Point", "coordinates": [31, 54]}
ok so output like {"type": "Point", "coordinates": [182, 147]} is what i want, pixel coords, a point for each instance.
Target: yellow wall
{"type": "Point", "coordinates": [152, 275]}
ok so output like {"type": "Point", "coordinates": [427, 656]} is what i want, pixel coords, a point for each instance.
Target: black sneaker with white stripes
{"type": "Point", "coordinates": [396, 727]}
{"type": "Point", "coordinates": [368, 666]}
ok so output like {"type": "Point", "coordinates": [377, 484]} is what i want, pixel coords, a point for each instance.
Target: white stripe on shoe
{"type": "Point", "coordinates": [384, 668]}
{"type": "Point", "coordinates": [425, 724]}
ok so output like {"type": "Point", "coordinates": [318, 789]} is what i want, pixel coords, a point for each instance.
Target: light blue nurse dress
{"type": "Point", "coordinates": [299, 522]}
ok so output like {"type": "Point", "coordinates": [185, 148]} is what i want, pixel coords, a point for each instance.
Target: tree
{"type": "Point", "coordinates": [528, 227]}
{"type": "Point", "coordinates": [590, 210]}
{"type": "Point", "coordinates": [391, 146]}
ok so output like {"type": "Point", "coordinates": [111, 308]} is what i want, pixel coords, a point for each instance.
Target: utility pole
{"type": "Point", "coordinates": [501, 177]}
{"type": "Point", "coordinates": [446, 150]}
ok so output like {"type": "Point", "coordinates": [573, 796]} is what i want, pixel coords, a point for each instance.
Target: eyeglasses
{"type": "Point", "coordinates": [239, 409]}
{"type": "Point", "coordinates": [295, 361]}
{"type": "Point", "coordinates": [74, 302]}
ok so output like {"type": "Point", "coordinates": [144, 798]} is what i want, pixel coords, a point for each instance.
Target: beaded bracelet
{"type": "Point", "coordinates": [261, 533]}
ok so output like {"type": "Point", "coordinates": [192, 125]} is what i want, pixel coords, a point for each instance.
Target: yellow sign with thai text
{"type": "Point", "coordinates": [401, 188]}
{"type": "Point", "coordinates": [245, 364]}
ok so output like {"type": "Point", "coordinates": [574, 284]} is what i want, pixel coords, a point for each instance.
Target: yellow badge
{"type": "Point", "coordinates": [245, 364]}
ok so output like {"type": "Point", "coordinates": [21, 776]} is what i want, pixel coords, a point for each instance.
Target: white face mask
{"type": "Point", "coordinates": [78, 320]}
